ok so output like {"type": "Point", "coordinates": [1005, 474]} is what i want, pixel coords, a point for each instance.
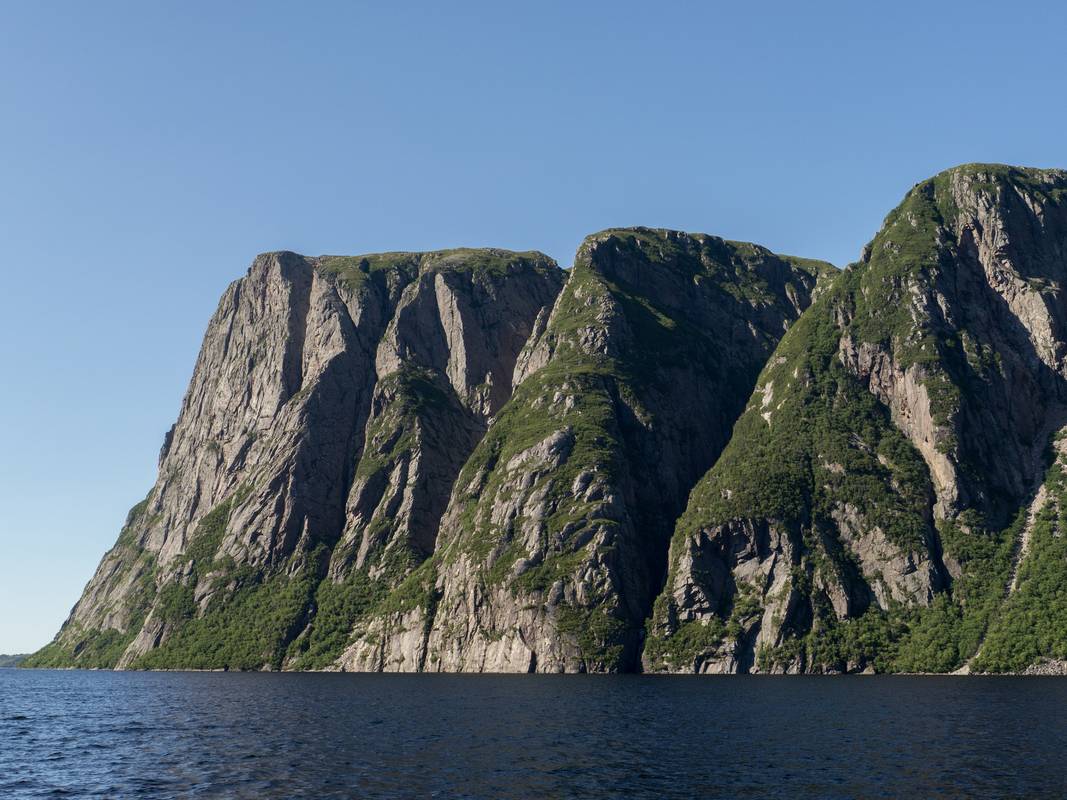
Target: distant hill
{"type": "Point", "coordinates": [12, 661]}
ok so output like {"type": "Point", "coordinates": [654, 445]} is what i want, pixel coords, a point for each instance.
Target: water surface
{"type": "Point", "coordinates": [169, 735]}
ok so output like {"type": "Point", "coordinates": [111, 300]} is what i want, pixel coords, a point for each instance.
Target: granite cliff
{"type": "Point", "coordinates": [684, 454]}
{"type": "Point", "coordinates": [332, 404]}
{"type": "Point", "coordinates": [552, 547]}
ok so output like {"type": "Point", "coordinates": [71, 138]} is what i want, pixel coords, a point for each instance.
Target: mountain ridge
{"type": "Point", "coordinates": [472, 460]}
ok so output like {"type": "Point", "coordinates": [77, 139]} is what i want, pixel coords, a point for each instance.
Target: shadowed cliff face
{"type": "Point", "coordinates": [554, 542]}
{"type": "Point", "coordinates": [333, 402]}
{"type": "Point", "coordinates": [862, 515]}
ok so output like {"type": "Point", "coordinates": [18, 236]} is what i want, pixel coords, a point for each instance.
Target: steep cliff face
{"type": "Point", "coordinates": [332, 404]}
{"type": "Point", "coordinates": [866, 510]}
{"type": "Point", "coordinates": [445, 365]}
{"type": "Point", "coordinates": [553, 544]}
{"type": "Point", "coordinates": [684, 455]}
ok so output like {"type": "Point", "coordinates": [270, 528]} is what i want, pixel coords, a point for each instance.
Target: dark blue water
{"type": "Point", "coordinates": [163, 735]}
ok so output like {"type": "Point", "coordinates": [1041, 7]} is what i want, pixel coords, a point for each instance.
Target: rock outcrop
{"type": "Point", "coordinates": [862, 513]}
{"type": "Point", "coordinates": [552, 548]}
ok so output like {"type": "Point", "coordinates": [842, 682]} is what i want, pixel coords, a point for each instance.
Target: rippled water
{"type": "Point", "coordinates": [163, 735]}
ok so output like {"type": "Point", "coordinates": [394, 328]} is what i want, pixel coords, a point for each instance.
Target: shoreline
{"type": "Point", "coordinates": [1038, 671]}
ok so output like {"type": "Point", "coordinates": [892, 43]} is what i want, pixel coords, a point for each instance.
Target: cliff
{"type": "Point", "coordinates": [552, 547]}
{"type": "Point", "coordinates": [332, 404]}
{"type": "Point", "coordinates": [873, 499]}
{"type": "Point", "coordinates": [684, 454]}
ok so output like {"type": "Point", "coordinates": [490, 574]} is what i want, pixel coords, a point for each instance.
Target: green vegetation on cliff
{"type": "Point", "coordinates": [1031, 627]}
{"type": "Point", "coordinates": [645, 363]}
{"type": "Point", "coordinates": [910, 350]}
{"type": "Point", "coordinates": [864, 508]}
{"type": "Point", "coordinates": [813, 438]}
{"type": "Point", "coordinates": [244, 616]}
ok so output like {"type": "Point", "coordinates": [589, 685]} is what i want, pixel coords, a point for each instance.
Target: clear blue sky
{"type": "Point", "coordinates": [149, 150]}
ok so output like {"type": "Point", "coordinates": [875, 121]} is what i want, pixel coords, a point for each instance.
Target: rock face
{"type": "Point", "coordinates": [332, 405]}
{"type": "Point", "coordinates": [865, 511]}
{"type": "Point", "coordinates": [554, 541]}
{"type": "Point", "coordinates": [683, 455]}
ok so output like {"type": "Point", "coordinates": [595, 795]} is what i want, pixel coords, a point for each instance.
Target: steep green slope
{"type": "Point", "coordinates": [865, 511]}
{"type": "Point", "coordinates": [1030, 630]}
